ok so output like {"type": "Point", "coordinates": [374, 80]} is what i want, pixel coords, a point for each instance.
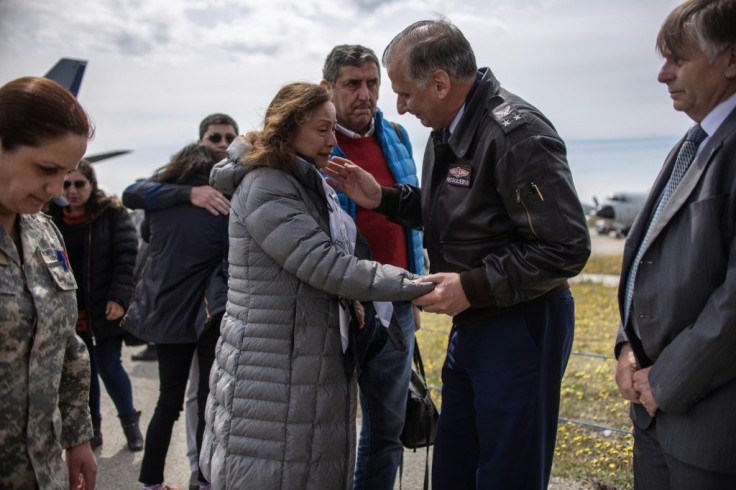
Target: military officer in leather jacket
{"type": "Point", "coordinates": [504, 230]}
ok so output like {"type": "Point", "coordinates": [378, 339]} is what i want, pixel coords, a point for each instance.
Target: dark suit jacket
{"type": "Point", "coordinates": [685, 306]}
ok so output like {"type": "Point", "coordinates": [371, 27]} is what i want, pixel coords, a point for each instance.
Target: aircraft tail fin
{"type": "Point", "coordinates": [68, 73]}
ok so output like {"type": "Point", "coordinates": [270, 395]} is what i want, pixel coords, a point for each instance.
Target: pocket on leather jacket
{"type": "Point", "coordinates": [469, 254]}
{"type": "Point", "coordinates": [541, 213]}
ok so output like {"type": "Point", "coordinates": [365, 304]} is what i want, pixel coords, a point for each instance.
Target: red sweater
{"type": "Point", "coordinates": [386, 239]}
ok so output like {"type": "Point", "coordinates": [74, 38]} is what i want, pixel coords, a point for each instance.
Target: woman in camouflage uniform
{"type": "Point", "coordinates": [44, 366]}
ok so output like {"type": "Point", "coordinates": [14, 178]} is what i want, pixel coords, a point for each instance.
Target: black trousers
{"type": "Point", "coordinates": [174, 361]}
{"type": "Point", "coordinates": [656, 470]}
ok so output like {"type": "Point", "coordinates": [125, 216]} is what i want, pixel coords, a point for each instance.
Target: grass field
{"type": "Point", "coordinates": [589, 392]}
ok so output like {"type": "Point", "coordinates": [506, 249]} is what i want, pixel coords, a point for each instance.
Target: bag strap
{"type": "Point", "coordinates": [398, 133]}
{"type": "Point", "coordinates": [420, 369]}
{"type": "Point", "coordinates": [418, 361]}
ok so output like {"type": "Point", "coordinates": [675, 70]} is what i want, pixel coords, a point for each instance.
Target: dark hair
{"type": "Point", "coordinates": [34, 110]}
{"type": "Point", "coordinates": [347, 55]}
{"type": "Point", "coordinates": [97, 197]}
{"type": "Point", "coordinates": [192, 160]}
{"type": "Point", "coordinates": [216, 118]}
{"type": "Point", "coordinates": [291, 108]}
{"type": "Point", "coordinates": [433, 45]}
{"type": "Point", "coordinates": [711, 23]}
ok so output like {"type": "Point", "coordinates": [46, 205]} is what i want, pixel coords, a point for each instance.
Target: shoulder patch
{"type": "Point", "coordinates": [508, 117]}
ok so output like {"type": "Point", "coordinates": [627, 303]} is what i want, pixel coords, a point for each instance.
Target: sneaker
{"type": "Point", "coordinates": [147, 354]}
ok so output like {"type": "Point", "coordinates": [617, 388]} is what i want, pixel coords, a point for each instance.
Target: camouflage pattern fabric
{"type": "Point", "coordinates": [44, 366]}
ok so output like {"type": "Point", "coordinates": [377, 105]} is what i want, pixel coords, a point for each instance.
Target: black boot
{"type": "Point", "coordinates": [96, 440]}
{"type": "Point", "coordinates": [132, 431]}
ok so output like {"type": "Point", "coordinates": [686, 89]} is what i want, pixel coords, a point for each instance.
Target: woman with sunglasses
{"type": "Point", "coordinates": [281, 410]}
{"type": "Point", "coordinates": [101, 243]}
{"type": "Point", "coordinates": [44, 366]}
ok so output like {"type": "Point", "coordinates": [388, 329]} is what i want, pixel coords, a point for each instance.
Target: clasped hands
{"type": "Point", "coordinates": [448, 296]}
{"type": "Point", "coordinates": [633, 383]}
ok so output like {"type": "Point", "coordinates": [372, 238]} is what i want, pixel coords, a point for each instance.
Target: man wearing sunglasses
{"type": "Point", "coordinates": [216, 132]}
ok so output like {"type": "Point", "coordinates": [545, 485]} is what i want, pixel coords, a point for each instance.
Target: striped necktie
{"type": "Point", "coordinates": [685, 157]}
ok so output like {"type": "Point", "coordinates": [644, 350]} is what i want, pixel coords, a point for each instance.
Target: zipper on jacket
{"type": "Point", "coordinates": [539, 192]}
{"type": "Point", "coordinates": [519, 200]}
{"type": "Point", "coordinates": [88, 293]}
{"type": "Point", "coordinates": [207, 310]}
{"type": "Point", "coordinates": [135, 290]}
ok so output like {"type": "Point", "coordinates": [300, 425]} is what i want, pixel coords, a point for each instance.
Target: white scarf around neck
{"type": "Point", "coordinates": [343, 234]}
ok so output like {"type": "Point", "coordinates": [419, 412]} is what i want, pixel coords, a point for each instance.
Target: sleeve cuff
{"type": "Point", "coordinates": [390, 197]}
{"type": "Point", "coordinates": [476, 287]}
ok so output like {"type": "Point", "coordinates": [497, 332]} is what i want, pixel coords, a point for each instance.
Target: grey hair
{"type": "Point", "coordinates": [708, 22]}
{"type": "Point", "coordinates": [347, 55]}
{"type": "Point", "coordinates": [433, 45]}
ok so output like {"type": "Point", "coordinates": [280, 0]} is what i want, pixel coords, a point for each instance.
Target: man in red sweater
{"type": "Point", "coordinates": [353, 77]}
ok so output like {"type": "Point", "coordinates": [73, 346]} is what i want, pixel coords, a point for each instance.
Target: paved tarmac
{"type": "Point", "coordinates": [606, 244]}
{"type": "Point", "coordinates": [118, 468]}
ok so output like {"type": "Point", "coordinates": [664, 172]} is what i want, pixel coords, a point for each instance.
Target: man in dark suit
{"type": "Point", "coordinates": [676, 347]}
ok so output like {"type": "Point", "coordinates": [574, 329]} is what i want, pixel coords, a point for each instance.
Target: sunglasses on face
{"type": "Point", "coordinates": [77, 183]}
{"type": "Point", "coordinates": [217, 137]}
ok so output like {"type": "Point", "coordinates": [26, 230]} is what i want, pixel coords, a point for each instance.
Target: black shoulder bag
{"type": "Point", "coordinates": [420, 424]}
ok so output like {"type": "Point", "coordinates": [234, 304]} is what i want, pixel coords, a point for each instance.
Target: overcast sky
{"type": "Point", "coordinates": [157, 67]}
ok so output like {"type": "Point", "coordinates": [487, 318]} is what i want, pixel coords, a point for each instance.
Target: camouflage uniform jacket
{"type": "Point", "coordinates": [44, 366]}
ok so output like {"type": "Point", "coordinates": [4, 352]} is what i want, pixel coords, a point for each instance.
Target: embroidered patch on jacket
{"type": "Point", "coordinates": [508, 117]}
{"type": "Point", "coordinates": [459, 175]}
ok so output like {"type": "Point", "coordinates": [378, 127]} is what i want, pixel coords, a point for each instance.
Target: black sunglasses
{"type": "Point", "coordinates": [77, 183]}
{"type": "Point", "coordinates": [217, 137]}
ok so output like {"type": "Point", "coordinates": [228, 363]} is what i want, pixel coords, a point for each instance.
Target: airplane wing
{"type": "Point", "coordinates": [104, 156]}
{"type": "Point", "coordinates": [68, 73]}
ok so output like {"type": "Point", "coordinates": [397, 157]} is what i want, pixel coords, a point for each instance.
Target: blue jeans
{"type": "Point", "coordinates": [383, 379]}
{"type": "Point", "coordinates": [501, 395]}
{"type": "Point", "coordinates": [105, 360]}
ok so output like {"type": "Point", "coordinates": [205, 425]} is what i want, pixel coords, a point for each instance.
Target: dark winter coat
{"type": "Point", "coordinates": [110, 249]}
{"type": "Point", "coordinates": [184, 281]}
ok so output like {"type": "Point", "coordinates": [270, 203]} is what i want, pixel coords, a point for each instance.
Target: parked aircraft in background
{"type": "Point", "coordinates": [617, 213]}
{"type": "Point", "coordinates": [68, 73]}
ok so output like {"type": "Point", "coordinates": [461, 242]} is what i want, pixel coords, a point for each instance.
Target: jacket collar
{"type": "Point", "coordinates": [475, 108]}
{"type": "Point", "coordinates": [687, 185]}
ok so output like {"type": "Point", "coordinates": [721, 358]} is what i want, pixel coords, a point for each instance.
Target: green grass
{"type": "Point", "coordinates": [588, 392]}
{"type": "Point", "coordinates": [603, 264]}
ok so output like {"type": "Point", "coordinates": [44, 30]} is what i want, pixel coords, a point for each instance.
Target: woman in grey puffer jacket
{"type": "Point", "coordinates": [281, 412]}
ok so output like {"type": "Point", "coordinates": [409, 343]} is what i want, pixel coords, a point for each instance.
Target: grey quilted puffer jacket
{"type": "Point", "coordinates": [281, 414]}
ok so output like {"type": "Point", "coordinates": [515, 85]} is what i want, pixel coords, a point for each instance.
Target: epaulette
{"type": "Point", "coordinates": [508, 117]}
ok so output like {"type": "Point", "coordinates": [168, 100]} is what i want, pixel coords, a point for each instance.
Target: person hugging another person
{"type": "Point", "coordinates": [179, 302]}
{"type": "Point", "coordinates": [281, 410]}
